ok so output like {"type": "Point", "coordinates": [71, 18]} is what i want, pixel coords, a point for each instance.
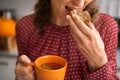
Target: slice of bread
{"type": "Point", "coordinates": [84, 15]}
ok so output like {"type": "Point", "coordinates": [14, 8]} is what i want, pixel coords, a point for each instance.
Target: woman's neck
{"type": "Point", "coordinates": [59, 21]}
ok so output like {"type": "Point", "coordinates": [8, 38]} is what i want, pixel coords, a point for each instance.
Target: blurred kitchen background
{"type": "Point", "coordinates": [12, 10]}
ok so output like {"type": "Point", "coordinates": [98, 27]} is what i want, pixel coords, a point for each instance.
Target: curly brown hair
{"type": "Point", "coordinates": [42, 11]}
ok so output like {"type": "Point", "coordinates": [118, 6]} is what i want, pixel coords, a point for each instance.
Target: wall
{"type": "Point", "coordinates": [24, 7]}
{"type": "Point", "coordinates": [110, 7]}
{"type": "Point", "coordinates": [21, 7]}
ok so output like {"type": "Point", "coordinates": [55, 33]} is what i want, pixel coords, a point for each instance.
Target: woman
{"type": "Point", "coordinates": [90, 50]}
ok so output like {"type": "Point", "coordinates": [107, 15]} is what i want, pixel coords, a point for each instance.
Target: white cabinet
{"type": "Point", "coordinates": [7, 65]}
{"type": "Point", "coordinates": [21, 7]}
{"type": "Point", "coordinates": [118, 61]}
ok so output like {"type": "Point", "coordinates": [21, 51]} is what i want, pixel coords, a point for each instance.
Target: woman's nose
{"type": "Point", "coordinates": [78, 2]}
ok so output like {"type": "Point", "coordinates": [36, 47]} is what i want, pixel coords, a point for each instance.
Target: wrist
{"type": "Point", "coordinates": [93, 67]}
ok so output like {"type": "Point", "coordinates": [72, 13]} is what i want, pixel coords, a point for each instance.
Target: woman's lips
{"type": "Point", "coordinates": [69, 9]}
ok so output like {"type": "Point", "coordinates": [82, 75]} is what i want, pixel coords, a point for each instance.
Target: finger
{"type": "Point", "coordinates": [91, 26]}
{"type": "Point", "coordinates": [79, 45]}
{"type": "Point", "coordinates": [24, 60]}
{"type": "Point", "coordinates": [81, 25]}
{"type": "Point", "coordinates": [74, 28]}
{"type": "Point", "coordinates": [77, 41]}
{"type": "Point", "coordinates": [26, 77]}
{"type": "Point", "coordinates": [23, 70]}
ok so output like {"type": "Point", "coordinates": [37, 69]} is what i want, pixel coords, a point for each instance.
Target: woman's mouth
{"type": "Point", "coordinates": [69, 9]}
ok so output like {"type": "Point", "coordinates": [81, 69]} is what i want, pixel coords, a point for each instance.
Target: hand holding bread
{"type": "Point", "coordinates": [88, 39]}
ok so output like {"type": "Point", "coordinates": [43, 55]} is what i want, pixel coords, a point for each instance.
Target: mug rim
{"type": "Point", "coordinates": [45, 56]}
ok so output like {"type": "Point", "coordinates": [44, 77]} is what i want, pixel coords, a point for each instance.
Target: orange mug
{"type": "Point", "coordinates": [50, 67]}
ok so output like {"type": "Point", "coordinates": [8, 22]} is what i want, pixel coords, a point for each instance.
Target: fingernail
{"type": "Point", "coordinates": [27, 60]}
{"type": "Point", "coordinates": [68, 16]}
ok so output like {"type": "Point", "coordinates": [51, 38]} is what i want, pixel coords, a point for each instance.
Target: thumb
{"type": "Point", "coordinates": [23, 59]}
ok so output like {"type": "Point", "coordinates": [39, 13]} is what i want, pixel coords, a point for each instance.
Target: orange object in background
{"type": "Point", "coordinates": [7, 25]}
{"type": "Point", "coordinates": [7, 32]}
{"type": "Point", "coordinates": [57, 72]}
